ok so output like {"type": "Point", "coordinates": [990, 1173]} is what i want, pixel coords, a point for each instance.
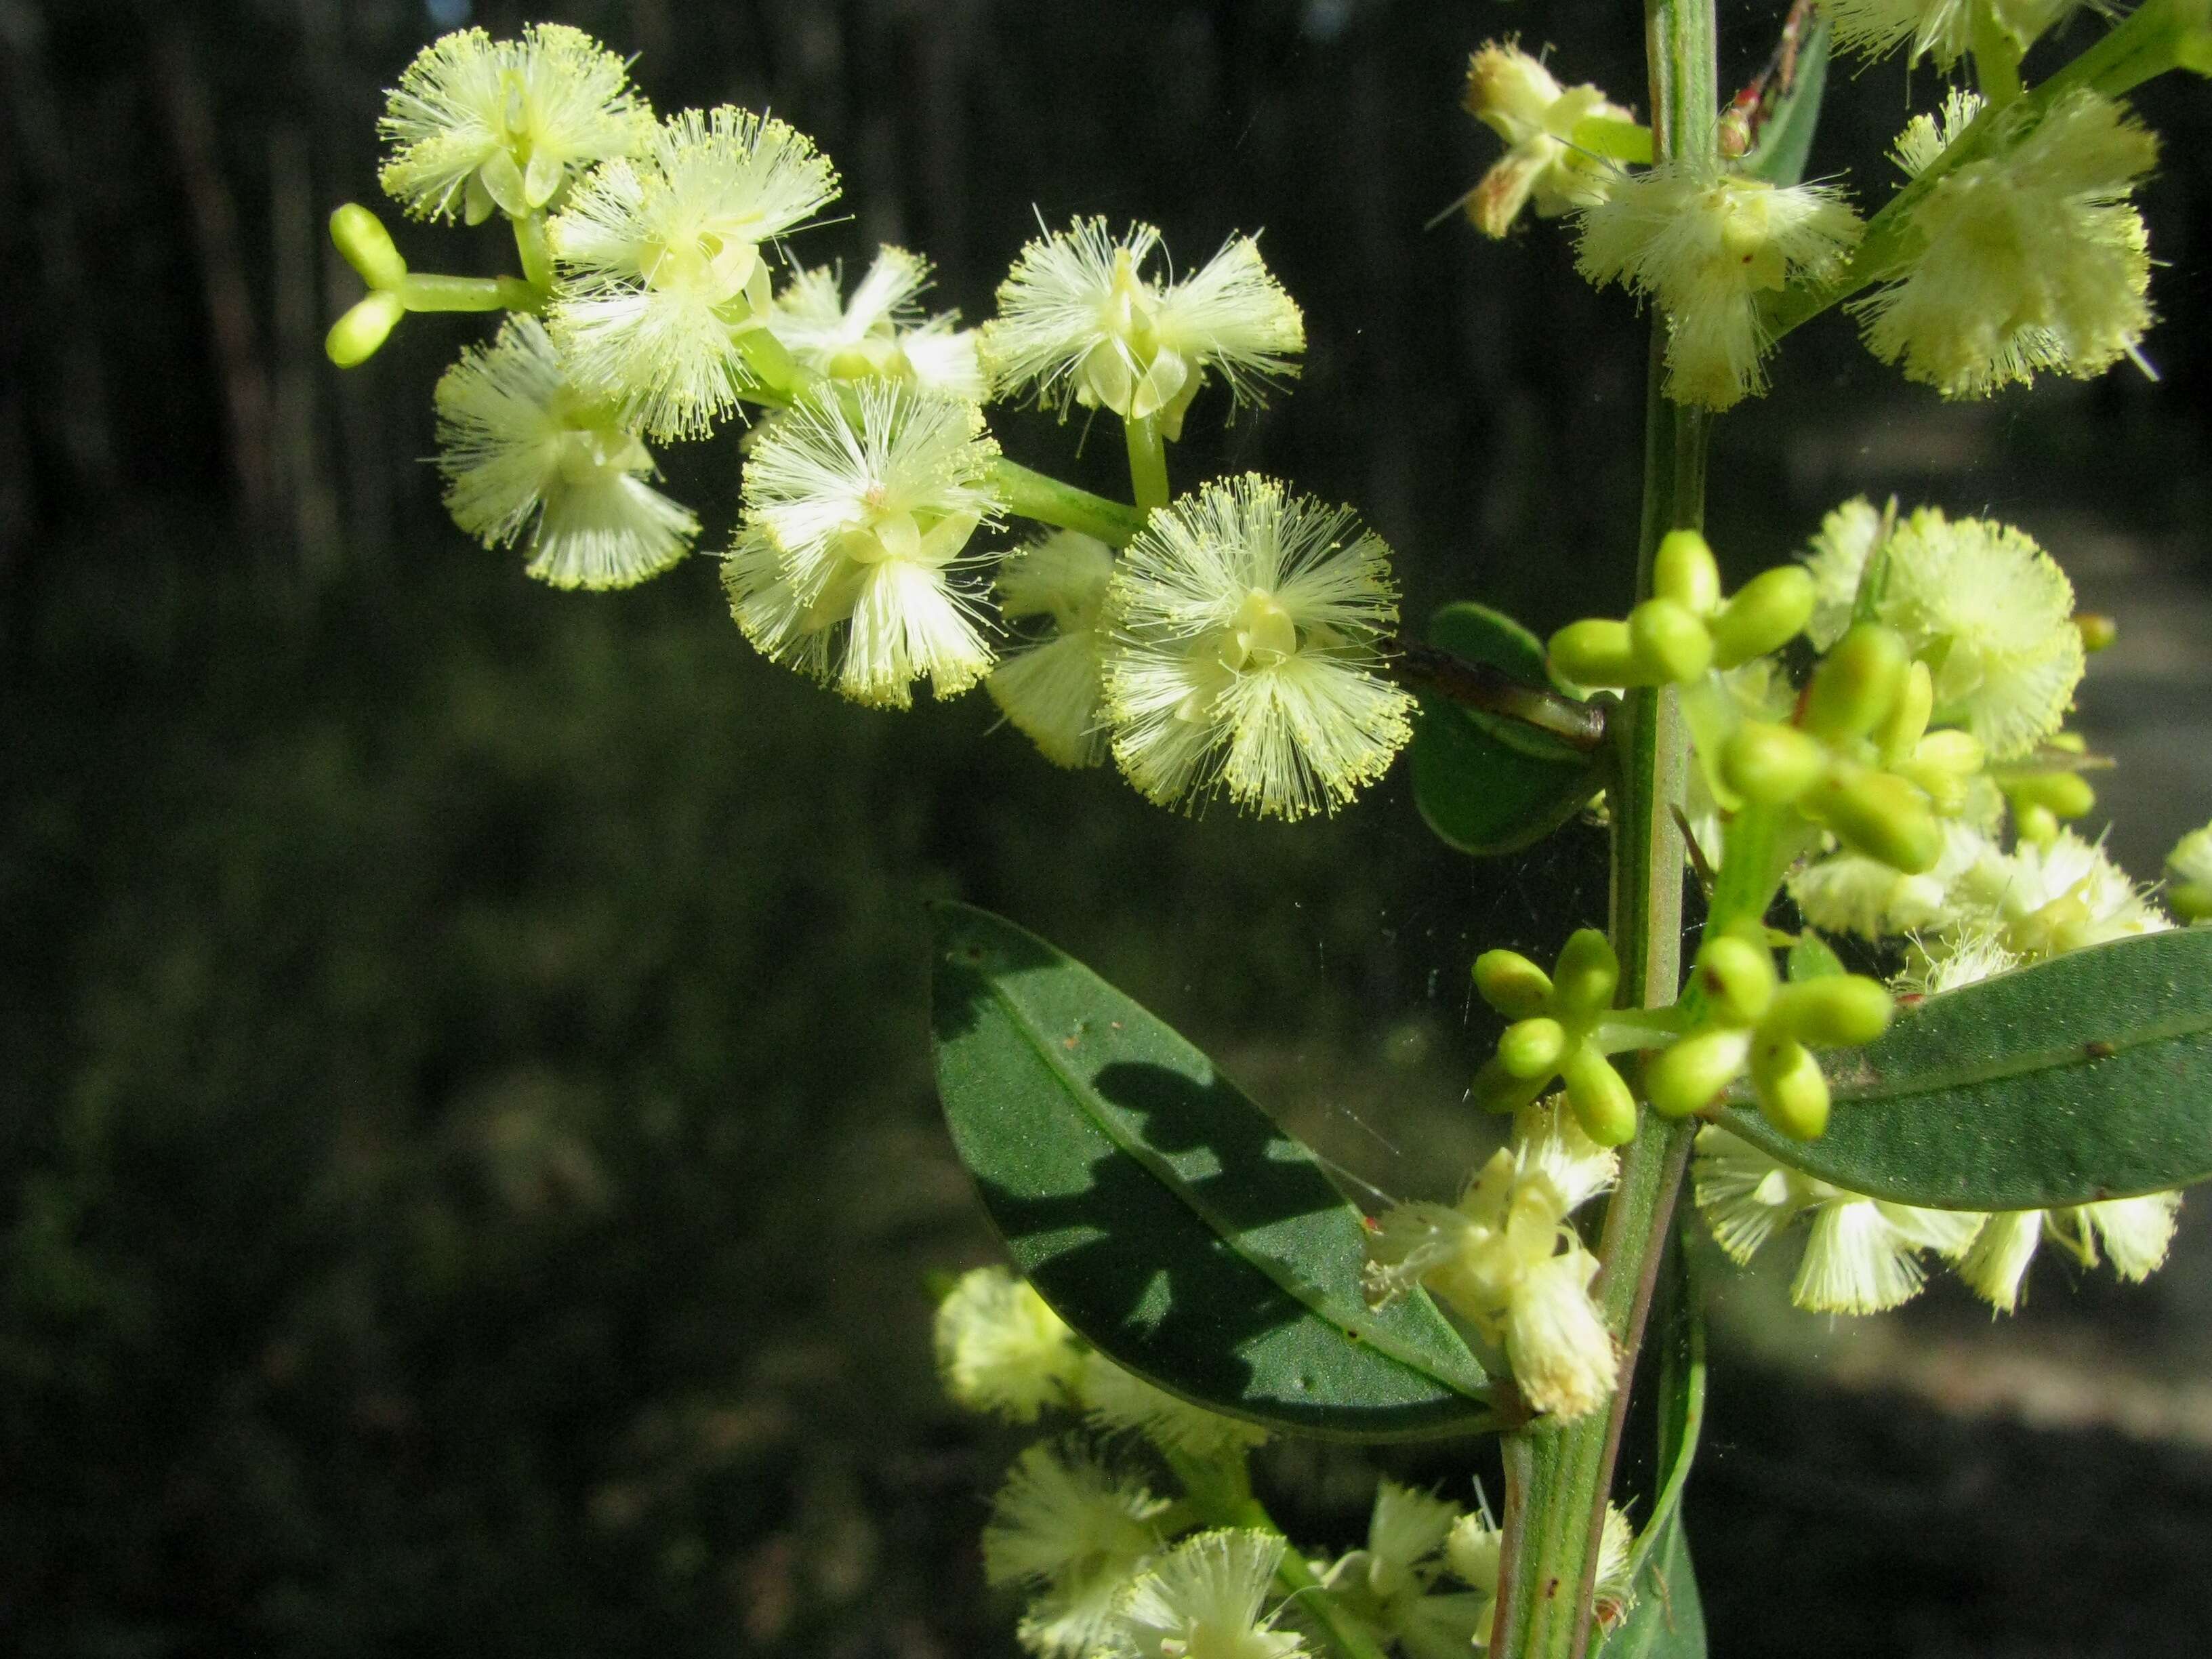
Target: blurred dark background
{"type": "Point", "coordinates": [468, 1168]}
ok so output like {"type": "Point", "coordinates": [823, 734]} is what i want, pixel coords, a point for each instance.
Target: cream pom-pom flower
{"type": "Point", "coordinates": [663, 263]}
{"type": "Point", "coordinates": [1203, 1599]}
{"type": "Point", "coordinates": [528, 457]}
{"type": "Point", "coordinates": [1054, 688]}
{"type": "Point", "coordinates": [2031, 258]}
{"type": "Point", "coordinates": [476, 124]}
{"type": "Point", "coordinates": [1940, 29]}
{"type": "Point", "coordinates": [1001, 1350]}
{"type": "Point", "coordinates": [1077, 1532]}
{"type": "Point", "coordinates": [1247, 626]}
{"type": "Point", "coordinates": [1081, 322]}
{"type": "Point", "coordinates": [859, 507]}
{"type": "Point", "coordinates": [879, 330]}
{"type": "Point", "coordinates": [1704, 243]}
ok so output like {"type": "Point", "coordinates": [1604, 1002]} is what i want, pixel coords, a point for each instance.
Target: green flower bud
{"type": "Point", "coordinates": [1856, 684]}
{"type": "Point", "coordinates": [1683, 1078]}
{"type": "Point", "coordinates": [1879, 814]}
{"type": "Point", "coordinates": [355, 338]}
{"type": "Point", "coordinates": [1497, 1089]}
{"type": "Point", "coordinates": [1793, 1095]}
{"type": "Point", "coordinates": [2190, 900]}
{"type": "Point", "coordinates": [361, 236]}
{"type": "Point", "coordinates": [1839, 1011]}
{"type": "Point", "coordinates": [1602, 1102]}
{"type": "Point", "coordinates": [2098, 632]}
{"type": "Point", "coordinates": [1511, 983]}
{"type": "Point", "coordinates": [1767, 613]}
{"type": "Point", "coordinates": [1670, 641]}
{"type": "Point", "coordinates": [1907, 720]}
{"type": "Point", "coordinates": [1737, 978]}
{"type": "Point", "coordinates": [1683, 570]}
{"type": "Point", "coordinates": [1532, 1047]}
{"type": "Point", "coordinates": [1772, 764]}
{"type": "Point", "coordinates": [2064, 794]}
{"type": "Point", "coordinates": [1586, 975]}
{"type": "Point", "coordinates": [2036, 826]}
{"type": "Point", "coordinates": [1595, 651]}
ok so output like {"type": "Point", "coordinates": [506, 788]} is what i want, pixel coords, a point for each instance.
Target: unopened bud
{"type": "Point", "coordinates": [1881, 815]}
{"type": "Point", "coordinates": [1595, 651]}
{"type": "Point", "coordinates": [1602, 1102]}
{"type": "Point", "coordinates": [1511, 983]}
{"type": "Point", "coordinates": [1532, 1047]}
{"type": "Point", "coordinates": [1907, 720]}
{"type": "Point", "coordinates": [2190, 900]}
{"type": "Point", "coordinates": [1767, 613]}
{"type": "Point", "coordinates": [1772, 764]}
{"type": "Point", "coordinates": [1685, 1077]}
{"type": "Point", "coordinates": [1737, 978]}
{"type": "Point", "coordinates": [1586, 974]}
{"type": "Point", "coordinates": [1497, 1089]}
{"type": "Point", "coordinates": [355, 338]}
{"type": "Point", "coordinates": [2035, 826]}
{"type": "Point", "coordinates": [1670, 641]}
{"type": "Point", "coordinates": [359, 236]}
{"type": "Point", "coordinates": [1793, 1095]}
{"type": "Point", "coordinates": [1857, 682]}
{"type": "Point", "coordinates": [1840, 1011]}
{"type": "Point", "coordinates": [1683, 570]}
{"type": "Point", "coordinates": [2064, 794]}
{"type": "Point", "coordinates": [2098, 632]}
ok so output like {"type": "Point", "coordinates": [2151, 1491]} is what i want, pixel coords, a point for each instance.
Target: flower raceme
{"type": "Point", "coordinates": [1080, 322]}
{"type": "Point", "coordinates": [662, 272]}
{"type": "Point", "coordinates": [859, 507]}
{"type": "Point", "coordinates": [1247, 624]}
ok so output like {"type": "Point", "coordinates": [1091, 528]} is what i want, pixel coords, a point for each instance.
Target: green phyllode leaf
{"type": "Point", "coordinates": [2084, 1077]}
{"type": "Point", "coordinates": [1786, 146]}
{"type": "Point", "coordinates": [1165, 1216]}
{"type": "Point", "coordinates": [1488, 786]}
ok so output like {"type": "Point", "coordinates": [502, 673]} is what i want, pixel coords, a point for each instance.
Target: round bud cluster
{"type": "Point", "coordinates": [1753, 1022]}
{"type": "Point", "coordinates": [1556, 1032]}
{"type": "Point", "coordinates": [1686, 627]}
{"type": "Point", "coordinates": [1858, 758]}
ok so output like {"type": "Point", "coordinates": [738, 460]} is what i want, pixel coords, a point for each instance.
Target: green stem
{"type": "Point", "coordinates": [536, 254]}
{"type": "Point", "coordinates": [1997, 59]}
{"type": "Point", "coordinates": [1033, 495]}
{"type": "Point", "coordinates": [1557, 1480]}
{"type": "Point", "coordinates": [1483, 686]}
{"type": "Point", "coordinates": [1148, 462]}
{"type": "Point", "coordinates": [420, 291]}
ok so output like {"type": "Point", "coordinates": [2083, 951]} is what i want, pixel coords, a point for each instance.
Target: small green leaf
{"type": "Point", "coordinates": [1785, 144]}
{"type": "Point", "coordinates": [1485, 785]}
{"type": "Point", "coordinates": [2084, 1077]}
{"type": "Point", "coordinates": [1813, 957]}
{"type": "Point", "coordinates": [1163, 1215]}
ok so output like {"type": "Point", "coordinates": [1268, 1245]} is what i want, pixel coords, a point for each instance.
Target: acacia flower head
{"type": "Point", "coordinates": [1705, 242]}
{"type": "Point", "coordinates": [879, 330]}
{"type": "Point", "coordinates": [1001, 1350]}
{"type": "Point", "coordinates": [2042, 900]}
{"type": "Point", "coordinates": [1513, 95]}
{"type": "Point", "coordinates": [1247, 625]}
{"type": "Point", "coordinates": [1054, 688]}
{"type": "Point", "coordinates": [1077, 1532]}
{"type": "Point", "coordinates": [1939, 29]}
{"type": "Point", "coordinates": [2031, 258]}
{"type": "Point", "coordinates": [1204, 1600]}
{"type": "Point", "coordinates": [857, 509]}
{"type": "Point", "coordinates": [529, 458]}
{"type": "Point", "coordinates": [663, 261]}
{"type": "Point", "coordinates": [476, 124]}
{"type": "Point", "coordinates": [2133, 1234]}
{"type": "Point", "coordinates": [1081, 321]}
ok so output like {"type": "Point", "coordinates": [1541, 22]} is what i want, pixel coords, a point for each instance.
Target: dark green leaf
{"type": "Point", "coordinates": [1785, 144]}
{"type": "Point", "coordinates": [1163, 1214]}
{"type": "Point", "coordinates": [2086, 1077]}
{"type": "Point", "coordinates": [1812, 957]}
{"type": "Point", "coordinates": [1485, 785]}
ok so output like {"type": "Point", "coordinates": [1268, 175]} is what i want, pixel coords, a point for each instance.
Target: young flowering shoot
{"type": "Point", "coordinates": [1054, 690]}
{"type": "Point", "coordinates": [1686, 628]}
{"type": "Point", "coordinates": [2189, 872]}
{"type": "Point", "coordinates": [857, 512]}
{"type": "Point", "coordinates": [1863, 1254]}
{"type": "Point", "coordinates": [1203, 1599]}
{"type": "Point", "coordinates": [2030, 259]}
{"type": "Point", "coordinates": [1505, 1258]}
{"type": "Point", "coordinates": [663, 268]}
{"type": "Point", "coordinates": [1116, 1400]}
{"type": "Point", "coordinates": [1247, 628]}
{"type": "Point", "coordinates": [1559, 140]}
{"type": "Point", "coordinates": [1080, 322]}
{"type": "Point", "coordinates": [1393, 1584]}
{"type": "Point", "coordinates": [1001, 1351]}
{"type": "Point", "coordinates": [476, 124]}
{"type": "Point", "coordinates": [1942, 30]}
{"type": "Point", "coordinates": [1748, 1022]}
{"type": "Point", "coordinates": [1705, 243]}
{"type": "Point", "coordinates": [2040, 902]}
{"type": "Point", "coordinates": [1079, 1533]}
{"type": "Point", "coordinates": [1560, 1027]}
{"type": "Point", "coordinates": [880, 332]}
{"type": "Point", "coordinates": [529, 458]}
